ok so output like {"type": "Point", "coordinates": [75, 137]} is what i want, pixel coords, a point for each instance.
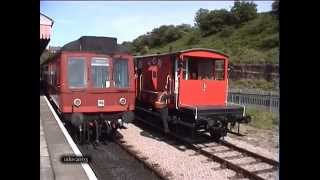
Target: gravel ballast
{"type": "Point", "coordinates": [178, 162]}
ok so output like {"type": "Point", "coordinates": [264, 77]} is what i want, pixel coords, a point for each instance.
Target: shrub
{"type": "Point", "coordinates": [193, 38]}
{"type": "Point", "coordinates": [269, 42]}
{"type": "Point", "coordinates": [226, 32]}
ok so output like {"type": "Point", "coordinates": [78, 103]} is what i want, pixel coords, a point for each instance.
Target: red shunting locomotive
{"type": "Point", "coordinates": [92, 84]}
{"type": "Point", "coordinates": [187, 89]}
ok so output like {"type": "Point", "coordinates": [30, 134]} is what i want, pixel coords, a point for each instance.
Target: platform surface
{"type": "Point", "coordinates": [53, 145]}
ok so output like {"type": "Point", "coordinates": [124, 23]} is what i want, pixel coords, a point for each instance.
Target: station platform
{"type": "Point", "coordinates": [54, 143]}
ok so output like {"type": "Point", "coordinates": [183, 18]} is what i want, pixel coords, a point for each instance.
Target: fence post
{"type": "Point", "coordinates": [270, 102]}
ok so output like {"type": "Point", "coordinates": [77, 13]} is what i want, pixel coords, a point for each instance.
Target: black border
{"type": "Point", "coordinates": [20, 90]}
{"type": "Point", "coordinates": [298, 79]}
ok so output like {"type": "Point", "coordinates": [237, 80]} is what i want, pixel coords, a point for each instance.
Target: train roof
{"type": "Point", "coordinates": [92, 44]}
{"type": "Point", "coordinates": [183, 51]}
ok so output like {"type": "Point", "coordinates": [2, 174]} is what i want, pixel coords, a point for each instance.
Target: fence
{"type": "Point", "coordinates": [259, 99]}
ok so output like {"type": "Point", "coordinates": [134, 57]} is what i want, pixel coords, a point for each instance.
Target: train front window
{"type": "Point", "coordinates": [203, 69]}
{"type": "Point", "coordinates": [100, 69]}
{"type": "Point", "coordinates": [76, 73]}
{"type": "Point", "coordinates": [120, 73]}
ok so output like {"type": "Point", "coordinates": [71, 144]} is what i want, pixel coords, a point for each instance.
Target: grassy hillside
{"type": "Point", "coordinates": [254, 42]}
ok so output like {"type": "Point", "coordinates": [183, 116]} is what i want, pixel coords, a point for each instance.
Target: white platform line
{"type": "Point", "coordinates": [74, 147]}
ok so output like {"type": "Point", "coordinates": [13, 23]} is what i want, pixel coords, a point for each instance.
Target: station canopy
{"type": "Point", "coordinates": [45, 31]}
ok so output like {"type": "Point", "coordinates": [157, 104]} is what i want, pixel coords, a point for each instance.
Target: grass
{"type": "Point", "coordinates": [258, 84]}
{"type": "Point", "coordinates": [262, 119]}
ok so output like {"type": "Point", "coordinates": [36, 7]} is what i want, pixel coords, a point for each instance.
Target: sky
{"type": "Point", "coordinates": [125, 20]}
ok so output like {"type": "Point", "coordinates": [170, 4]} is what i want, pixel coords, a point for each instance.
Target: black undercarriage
{"type": "Point", "coordinates": [95, 127]}
{"type": "Point", "coordinates": [213, 119]}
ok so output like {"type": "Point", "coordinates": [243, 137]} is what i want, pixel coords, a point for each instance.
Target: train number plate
{"type": "Point", "coordinates": [100, 103]}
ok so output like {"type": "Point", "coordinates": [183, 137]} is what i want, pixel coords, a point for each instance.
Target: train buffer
{"type": "Point", "coordinates": [54, 145]}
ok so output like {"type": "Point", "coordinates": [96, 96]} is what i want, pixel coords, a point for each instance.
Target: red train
{"type": "Point", "coordinates": [91, 81]}
{"type": "Point", "coordinates": [95, 87]}
{"type": "Point", "coordinates": [187, 89]}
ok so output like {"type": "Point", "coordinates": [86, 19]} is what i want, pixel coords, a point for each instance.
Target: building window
{"type": "Point", "coordinates": [77, 72]}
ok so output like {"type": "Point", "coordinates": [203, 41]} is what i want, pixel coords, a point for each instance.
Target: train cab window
{"type": "Point", "coordinates": [203, 69]}
{"type": "Point", "coordinates": [219, 69]}
{"type": "Point", "coordinates": [77, 73]}
{"type": "Point", "coordinates": [100, 69]}
{"type": "Point", "coordinates": [198, 69]}
{"type": "Point", "coordinates": [120, 73]}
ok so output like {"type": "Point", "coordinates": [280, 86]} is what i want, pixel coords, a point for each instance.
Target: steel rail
{"type": "Point", "coordinates": [250, 153]}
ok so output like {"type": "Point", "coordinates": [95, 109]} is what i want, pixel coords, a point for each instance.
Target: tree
{"type": "Point", "coordinates": [202, 19]}
{"type": "Point", "coordinates": [244, 11]}
{"type": "Point", "coordinates": [139, 43]}
{"type": "Point", "coordinates": [184, 27]}
{"type": "Point", "coordinates": [210, 22]}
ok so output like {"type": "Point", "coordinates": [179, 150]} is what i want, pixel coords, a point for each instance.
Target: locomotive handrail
{"type": "Point", "coordinates": [169, 82]}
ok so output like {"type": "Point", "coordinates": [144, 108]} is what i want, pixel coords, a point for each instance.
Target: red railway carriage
{"type": "Point", "coordinates": [93, 89]}
{"type": "Point", "coordinates": [187, 88]}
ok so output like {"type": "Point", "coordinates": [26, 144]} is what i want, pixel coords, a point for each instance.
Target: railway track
{"type": "Point", "coordinates": [242, 169]}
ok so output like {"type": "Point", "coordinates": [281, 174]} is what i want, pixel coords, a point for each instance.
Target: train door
{"type": "Point", "coordinates": [202, 81]}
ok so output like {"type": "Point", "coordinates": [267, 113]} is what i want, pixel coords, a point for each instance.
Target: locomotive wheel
{"type": "Point", "coordinates": [97, 131]}
{"type": "Point", "coordinates": [80, 134]}
{"type": "Point", "coordinates": [87, 132]}
{"type": "Point", "coordinates": [214, 135]}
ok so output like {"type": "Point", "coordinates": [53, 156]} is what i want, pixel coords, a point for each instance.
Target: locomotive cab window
{"type": "Point", "coordinates": [120, 73]}
{"type": "Point", "coordinates": [203, 69]}
{"type": "Point", "coordinates": [76, 73]}
{"type": "Point", "coordinates": [100, 70]}
{"type": "Point", "coordinates": [219, 69]}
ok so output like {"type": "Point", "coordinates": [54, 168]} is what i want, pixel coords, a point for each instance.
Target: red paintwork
{"type": "Point", "coordinates": [90, 95]}
{"type": "Point", "coordinates": [190, 92]}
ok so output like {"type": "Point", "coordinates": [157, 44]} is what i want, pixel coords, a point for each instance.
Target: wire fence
{"type": "Point", "coordinates": [259, 99]}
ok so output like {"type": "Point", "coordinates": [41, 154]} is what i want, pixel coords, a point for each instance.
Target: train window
{"type": "Point", "coordinates": [53, 74]}
{"type": "Point", "coordinates": [100, 72]}
{"type": "Point", "coordinates": [120, 73]}
{"type": "Point", "coordinates": [219, 69]}
{"type": "Point", "coordinates": [199, 69]}
{"type": "Point", "coordinates": [76, 73]}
